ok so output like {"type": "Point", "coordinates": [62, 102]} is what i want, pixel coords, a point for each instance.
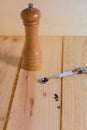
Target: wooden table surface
{"type": "Point", "coordinates": [25, 104]}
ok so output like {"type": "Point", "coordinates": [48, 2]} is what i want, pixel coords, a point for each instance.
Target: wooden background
{"type": "Point", "coordinates": [17, 111]}
{"type": "Point", "coordinates": [59, 17]}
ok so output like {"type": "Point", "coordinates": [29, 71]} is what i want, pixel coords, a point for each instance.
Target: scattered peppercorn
{"type": "Point", "coordinates": [58, 107]}
{"type": "Point", "coordinates": [56, 97]}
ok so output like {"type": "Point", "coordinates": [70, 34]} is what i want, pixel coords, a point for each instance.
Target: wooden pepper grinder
{"type": "Point", "coordinates": [32, 55]}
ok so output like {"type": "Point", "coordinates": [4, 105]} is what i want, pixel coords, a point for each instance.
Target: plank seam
{"type": "Point", "coordinates": [12, 95]}
{"type": "Point", "coordinates": [61, 96]}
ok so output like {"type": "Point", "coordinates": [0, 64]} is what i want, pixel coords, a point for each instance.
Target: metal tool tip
{"type": "Point", "coordinates": [44, 80]}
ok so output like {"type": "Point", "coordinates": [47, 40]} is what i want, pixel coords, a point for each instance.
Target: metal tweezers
{"type": "Point", "coordinates": [64, 74]}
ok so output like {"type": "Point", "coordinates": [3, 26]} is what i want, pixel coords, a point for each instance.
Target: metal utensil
{"type": "Point", "coordinates": [64, 74]}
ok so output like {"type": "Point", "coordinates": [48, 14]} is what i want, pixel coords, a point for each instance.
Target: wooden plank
{"type": "Point", "coordinates": [10, 55]}
{"type": "Point", "coordinates": [34, 107]}
{"type": "Point", "coordinates": [74, 105]}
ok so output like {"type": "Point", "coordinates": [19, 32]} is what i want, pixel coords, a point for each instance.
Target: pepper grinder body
{"type": "Point", "coordinates": [32, 54]}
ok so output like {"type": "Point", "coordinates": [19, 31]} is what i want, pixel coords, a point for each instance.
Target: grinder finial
{"type": "Point", "coordinates": [30, 6]}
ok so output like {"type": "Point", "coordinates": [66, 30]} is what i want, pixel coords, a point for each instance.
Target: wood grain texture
{"type": "Point", "coordinates": [34, 107]}
{"type": "Point", "coordinates": [74, 100]}
{"type": "Point", "coordinates": [10, 55]}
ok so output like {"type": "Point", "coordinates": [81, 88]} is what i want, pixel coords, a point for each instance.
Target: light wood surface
{"type": "Point", "coordinates": [34, 106]}
{"type": "Point", "coordinates": [25, 104]}
{"type": "Point", "coordinates": [74, 95]}
{"type": "Point", "coordinates": [10, 55]}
